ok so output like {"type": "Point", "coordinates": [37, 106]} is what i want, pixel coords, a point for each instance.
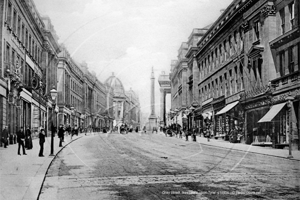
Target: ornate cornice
{"type": "Point", "coordinates": [46, 47]}
{"type": "Point", "coordinates": [245, 26]}
{"type": "Point", "coordinates": [268, 10]}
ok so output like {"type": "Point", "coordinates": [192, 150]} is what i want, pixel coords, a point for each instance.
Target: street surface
{"type": "Point", "coordinates": [152, 166]}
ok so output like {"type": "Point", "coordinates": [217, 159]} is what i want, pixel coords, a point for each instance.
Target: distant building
{"type": "Point", "coordinates": [126, 107]}
{"type": "Point", "coordinates": [70, 90]}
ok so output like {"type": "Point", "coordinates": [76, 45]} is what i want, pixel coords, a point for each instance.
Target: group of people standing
{"type": "Point", "coordinates": [179, 131]}
{"type": "Point", "coordinates": [124, 129]}
{"type": "Point", "coordinates": [24, 137]}
{"type": "Point", "coordinates": [61, 135]}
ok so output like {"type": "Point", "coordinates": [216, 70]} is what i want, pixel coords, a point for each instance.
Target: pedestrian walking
{"type": "Point", "coordinates": [41, 141]}
{"type": "Point", "coordinates": [28, 138]}
{"type": "Point", "coordinates": [61, 134]}
{"type": "Point", "coordinates": [186, 135]}
{"type": "Point", "coordinates": [74, 131]}
{"type": "Point", "coordinates": [208, 134]}
{"type": "Point", "coordinates": [136, 129]}
{"type": "Point", "coordinates": [144, 129]}
{"type": "Point", "coordinates": [180, 132]}
{"type": "Point", "coordinates": [68, 129]}
{"type": "Point", "coordinates": [4, 138]}
{"type": "Point", "coordinates": [21, 140]}
{"type": "Point", "coordinates": [194, 134]}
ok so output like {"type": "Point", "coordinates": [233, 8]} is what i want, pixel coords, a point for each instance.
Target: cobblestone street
{"type": "Point", "coordinates": [152, 166]}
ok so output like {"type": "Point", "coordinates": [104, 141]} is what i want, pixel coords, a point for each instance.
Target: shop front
{"type": "Point", "coordinates": [198, 120]}
{"type": "Point", "coordinates": [218, 104]}
{"type": "Point", "coordinates": [229, 118]}
{"type": "Point", "coordinates": [280, 124]}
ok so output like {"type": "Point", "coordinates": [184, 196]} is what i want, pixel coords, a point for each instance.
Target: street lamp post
{"type": "Point", "coordinates": [290, 106]}
{"type": "Point", "coordinates": [53, 93]}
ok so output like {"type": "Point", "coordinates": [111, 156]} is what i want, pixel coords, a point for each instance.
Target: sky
{"type": "Point", "coordinates": [129, 37]}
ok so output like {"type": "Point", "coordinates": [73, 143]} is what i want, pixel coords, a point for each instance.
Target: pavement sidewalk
{"type": "Point", "coordinates": [21, 177]}
{"type": "Point", "coordinates": [283, 153]}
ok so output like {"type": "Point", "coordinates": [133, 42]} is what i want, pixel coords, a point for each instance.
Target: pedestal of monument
{"type": "Point", "coordinates": [152, 122]}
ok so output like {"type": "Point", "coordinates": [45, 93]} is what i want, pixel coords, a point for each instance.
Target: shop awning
{"type": "Point", "coordinates": [227, 108]}
{"type": "Point", "coordinates": [272, 113]}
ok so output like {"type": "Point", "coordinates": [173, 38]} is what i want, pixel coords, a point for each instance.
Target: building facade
{"type": "Point", "coordinates": [32, 63]}
{"type": "Point", "coordinates": [179, 93]}
{"type": "Point", "coordinates": [70, 90]}
{"type": "Point", "coordinates": [243, 74]}
{"type": "Point", "coordinates": [193, 112]}
{"type": "Point", "coordinates": [126, 106]}
{"type": "Point", "coordinates": [219, 60]}
{"type": "Point", "coordinates": [29, 51]}
{"type": "Point", "coordinates": [285, 87]}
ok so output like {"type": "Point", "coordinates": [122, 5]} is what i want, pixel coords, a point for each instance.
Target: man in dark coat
{"type": "Point", "coordinates": [41, 141]}
{"type": "Point", "coordinates": [5, 137]}
{"type": "Point", "coordinates": [21, 139]}
{"type": "Point", "coordinates": [61, 134]}
{"type": "Point", "coordinates": [28, 139]}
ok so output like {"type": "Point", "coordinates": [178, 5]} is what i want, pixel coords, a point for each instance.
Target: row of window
{"type": "Point", "coordinates": [77, 88]}
{"type": "Point", "coordinates": [14, 20]}
{"type": "Point", "coordinates": [25, 71]}
{"type": "Point", "coordinates": [76, 102]}
{"type": "Point", "coordinates": [227, 84]}
{"type": "Point", "coordinates": [287, 59]}
{"type": "Point", "coordinates": [232, 46]}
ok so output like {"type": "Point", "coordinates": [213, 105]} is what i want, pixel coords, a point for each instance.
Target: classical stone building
{"type": "Point", "coordinates": [178, 78]}
{"type": "Point", "coordinates": [82, 99]}
{"type": "Point", "coordinates": [194, 112]}
{"type": "Point", "coordinates": [70, 90]}
{"type": "Point", "coordinates": [132, 109]}
{"type": "Point", "coordinates": [220, 62]}
{"type": "Point", "coordinates": [244, 73]}
{"type": "Point", "coordinates": [271, 61]}
{"type": "Point", "coordinates": [28, 58]}
{"type": "Point", "coordinates": [284, 89]}
{"type": "Point", "coordinates": [126, 107]}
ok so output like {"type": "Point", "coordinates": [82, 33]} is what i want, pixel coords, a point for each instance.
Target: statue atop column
{"type": "Point", "coordinates": [152, 117]}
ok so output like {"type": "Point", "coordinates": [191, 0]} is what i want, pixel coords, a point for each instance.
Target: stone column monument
{"type": "Point", "coordinates": [152, 117]}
